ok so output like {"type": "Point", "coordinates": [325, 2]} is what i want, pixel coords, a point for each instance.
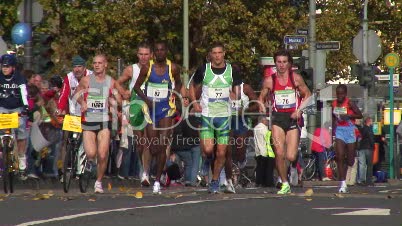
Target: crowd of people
{"type": "Point", "coordinates": [157, 119]}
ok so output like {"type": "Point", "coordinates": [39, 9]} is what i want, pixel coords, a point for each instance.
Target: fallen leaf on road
{"type": "Point", "coordinates": [91, 200]}
{"type": "Point", "coordinates": [339, 196]}
{"type": "Point", "coordinates": [41, 197]}
{"type": "Point", "coordinates": [138, 195]}
{"type": "Point", "coordinates": [309, 200]}
{"type": "Point", "coordinates": [122, 188]}
{"type": "Point", "coordinates": [364, 193]}
{"type": "Point", "coordinates": [1, 200]}
{"type": "Point", "coordinates": [309, 192]}
{"type": "Point", "coordinates": [109, 186]}
{"type": "Point", "coordinates": [178, 196]}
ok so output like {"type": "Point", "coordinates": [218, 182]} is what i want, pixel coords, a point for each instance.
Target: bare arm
{"type": "Point", "coordinates": [125, 76]}
{"type": "Point", "coordinates": [79, 92]}
{"type": "Point", "coordinates": [177, 79]}
{"type": "Point", "coordinates": [357, 113]}
{"type": "Point", "coordinates": [141, 79]}
{"type": "Point", "coordinates": [253, 106]}
{"type": "Point", "coordinates": [266, 88]}
{"type": "Point", "coordinates": [303, 90]}
{"type": "Point", "coordinates": [194, 88]}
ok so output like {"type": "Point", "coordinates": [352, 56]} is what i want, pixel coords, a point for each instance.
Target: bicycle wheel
{"type": "Point", "coordinates": [84, 180]}
{"type": "Point", "coordinates": [69, 167]}
{"type": "Point", "coordinates": [309, 169]}
{"type": "Point", "coordinates": [8, 173]}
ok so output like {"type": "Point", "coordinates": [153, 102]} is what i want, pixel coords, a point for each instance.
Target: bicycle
{"type": "Point", "coordinates": [75, 159]}
{"type": "Point", "coordinates": [310, 165]}
{"type": "Point", "coordinates": [7, 146]}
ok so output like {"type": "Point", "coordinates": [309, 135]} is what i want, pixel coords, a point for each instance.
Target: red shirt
{"type": "Point", "coordinates": [321, 140]}
{"type": "Point", "coordinates": [285, 98]}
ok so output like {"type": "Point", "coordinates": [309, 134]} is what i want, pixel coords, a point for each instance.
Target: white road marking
{"type": "Point", "coordinates": [116, 210]}
{"type": "Point", "coordinates": [359, 211]}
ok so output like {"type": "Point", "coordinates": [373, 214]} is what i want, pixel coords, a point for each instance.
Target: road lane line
{"type": "Point", "coordinates": [69, 217]}
{"type": "Point", "coordinates": [358, 211]}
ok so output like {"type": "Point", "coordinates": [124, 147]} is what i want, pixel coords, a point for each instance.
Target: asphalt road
{"type": "Point", "coordinates": [380, 205]}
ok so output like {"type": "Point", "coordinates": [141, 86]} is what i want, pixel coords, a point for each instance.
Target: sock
{"type": "Point", "coordinates": [343, 184]}
{"type": "Point", "coordinates": [279, 179]}
{"type": "Point", "coordinates": [156, 182]}
{"type": "Point", "coordinates": [285, 183]}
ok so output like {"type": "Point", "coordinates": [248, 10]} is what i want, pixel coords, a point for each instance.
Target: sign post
{"type": "Point", "coordinates": [391, 61]}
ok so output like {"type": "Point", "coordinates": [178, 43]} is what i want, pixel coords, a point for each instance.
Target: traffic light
{"type": "Point", "coordinates": [366, 76]}
{"type": "Point", "coordinates": [43, 53]}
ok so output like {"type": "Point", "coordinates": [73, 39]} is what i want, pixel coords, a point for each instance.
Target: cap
{"type": "Point", "coordinates": [78, 61]}
{"type": "Point", "coordinates": [8, 60]}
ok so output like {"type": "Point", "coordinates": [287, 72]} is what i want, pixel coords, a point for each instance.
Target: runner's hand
{"type": "Point", "coordinates": [126, 95]}
{"type": "Point", "coordinates": [197, 107]}
{"type": "Point", "coordinates": [84, 106]}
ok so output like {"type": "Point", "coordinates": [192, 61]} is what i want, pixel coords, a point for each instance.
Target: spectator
{"type": "Point", "coordinates": [265, 156]}
{"type": "Point", "coordinates": [321, 141]}
{"type": "Point", "coordinates": [365, 153]}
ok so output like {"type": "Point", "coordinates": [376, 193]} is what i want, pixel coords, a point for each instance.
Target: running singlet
{"type": "Point", "coordinates": [158, 87]}
{"type": "Point", "coordinates": [215, 92]}
{"type": "Point", "coordinates": [285, 98]}
{"type": "Point", "coordinates": [97, 100]}
{"type": "Point", "coordinates": [343, 109]}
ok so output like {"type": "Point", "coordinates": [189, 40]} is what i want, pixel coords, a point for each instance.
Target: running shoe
{"type": "Point", "coordinates": [145, 180]}
{"type": "Point", "coordinates": [343, 190]}
{"type": "Point", "coordinates": [98, 187]}
{"type": "Point", "coordinates": [157, 188]}
{"type": "Point", "coordinates": [229, 187]}
{"type": "Point", "coordinates": [213, 187]}
{"type": "Point", "coordinates": [284, 190]}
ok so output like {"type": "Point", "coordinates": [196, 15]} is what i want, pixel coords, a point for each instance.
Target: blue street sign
{"type": "Point", "coordinates": [294, 39]}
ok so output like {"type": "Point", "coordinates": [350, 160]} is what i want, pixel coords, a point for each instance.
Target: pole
{"type": "Point", "coordinates": [365, 54]}
{"type": "Point", "coordinates": [311, 119]}
{"type": "Point", "coordinates": [28, 58]}
{"type": "Point", "coordinates": [185, 43]}
{"type": "Point", "coordinates": [311, 35]}
{"type": "Point", "coordinates": [391, 123]}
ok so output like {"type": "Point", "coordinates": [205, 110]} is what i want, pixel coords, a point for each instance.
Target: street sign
{"type": "Point", "coordinates": [395, 80]}
{"type": "Point", "coordinates": [294, 39]}
{"type": "Point", "coordinates": [302, 31]}
{"type": "Point", "coordinates": [391, 60]}
{"type": "Point", "coordinates": [382, 77]}
{"type": "Point", "coordinates": [37, 12]}
{"type": "Point", "coordinates": [331, 45]}
{"type": "Point", "coordinates": [374, 47]}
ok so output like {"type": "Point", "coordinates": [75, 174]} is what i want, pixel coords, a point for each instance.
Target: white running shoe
{"type": "Point", "coordinates": [22, 163]}
{"type": "Point", "coordinates": [98, 187]}
{"type": "Point", "coordinates": [157, 188]}
{"type": "Point", "coordinates": [343, 190]}
{"type": "Point", "coordinates": [145, 180]}
{"type": "Point", "coordinates": [229, 188]}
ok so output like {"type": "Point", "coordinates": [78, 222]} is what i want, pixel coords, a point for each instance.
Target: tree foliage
{"type": "Point", "coordinates": [249, 29]}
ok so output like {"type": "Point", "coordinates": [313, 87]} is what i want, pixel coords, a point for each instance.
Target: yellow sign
{"type": "Point", "coordinates": [9, 121]}
{"type": "Point", "coordinates": [72, 123]}
{"type": "Point", "coordinates": [387, 116]}
{"type": "Point", "coordinates": [392, 60]}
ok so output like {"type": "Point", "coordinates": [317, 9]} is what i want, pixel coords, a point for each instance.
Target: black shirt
{"type": "Point", "coordinates": [199, 74]}
{"type": "Point", "coordinates": [367, 141]}
{"type": "Point", "coordinates": [10, 91]}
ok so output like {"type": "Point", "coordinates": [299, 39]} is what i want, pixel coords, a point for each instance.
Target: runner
{"type": "Point", "coordinates": [216, 79]}
{"type": "Point", "coordinates": [161, 77]}
{"type": "Point", "coordinates": [96, 102]}
{"type": "Point", "coordinates": [131, 73]}
{"type": "Point", "coordinates": [288, 91]}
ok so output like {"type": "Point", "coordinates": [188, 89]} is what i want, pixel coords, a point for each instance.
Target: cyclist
{"type": "Point", "coordinates": [14, 98]}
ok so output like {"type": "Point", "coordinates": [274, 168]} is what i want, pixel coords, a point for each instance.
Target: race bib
{"type": "Point", "coordinates": [95, 104]}
{"type": "Point", "coordinates": [285, 99]}
{"type": "Point", "coordinates": [218, 94]}
{"type": "Point", "coordinates": [340, 110]}
{"type": "Point", "coordinates": [72, 123]}
{"type": "Point", "coordinates": [9, 121]}
{"type": "Point", "coordinates": [158, 91]}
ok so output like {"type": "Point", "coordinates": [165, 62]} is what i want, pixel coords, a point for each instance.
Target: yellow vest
{"type": "Point", "coordinates": [270, 152]}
